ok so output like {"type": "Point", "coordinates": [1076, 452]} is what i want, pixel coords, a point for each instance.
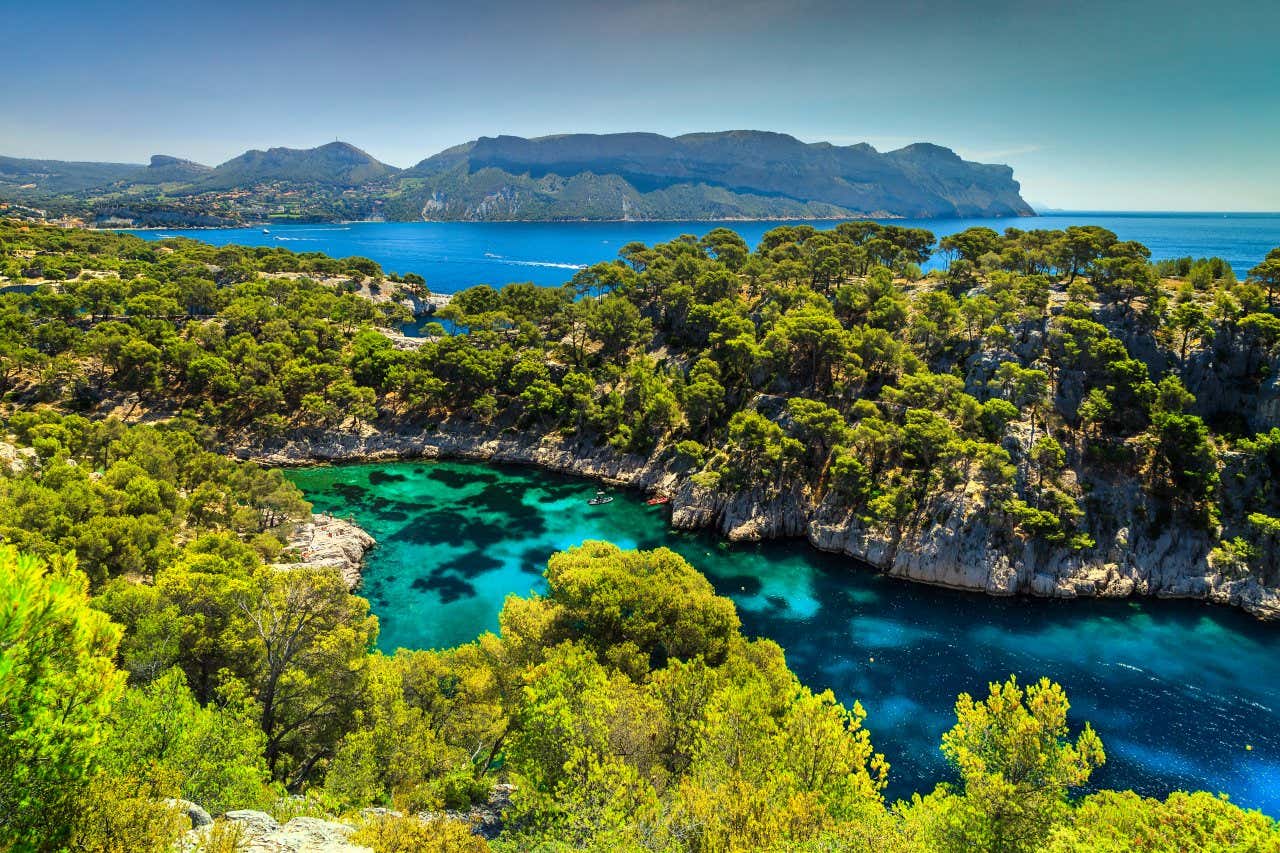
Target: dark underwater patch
{"type": "Point", "coordinates": [432, 527]}
{"type": "Point", "coordinates": [557, 490]}
{"type": "Point", "coordinates": [377, 477]}
{"type": "Point", "coordinates": [448, 587]}
{"type": "Point", "coordinates": [534, 560]}
{"type": "Point", "coordinates": [350, 492]}
{"type": "Point", "coordinates": [460, 479]}
{"type": "Point", "coordinates": [470, 565]}
{"type": "Point", "coordinates": [447, 526]}
{"type": "Point", "coordinates": [778, 603]}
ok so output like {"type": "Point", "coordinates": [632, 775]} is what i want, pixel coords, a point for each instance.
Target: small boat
{"type": "Point", "coordinates": [657, 499]}
{"type": "Point", "coordinates": [600, 498]}
{"type": "Point", "coordinates": [265, 231]}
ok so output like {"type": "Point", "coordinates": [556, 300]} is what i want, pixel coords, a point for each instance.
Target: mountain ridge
{"type": "Point", "coordinates": [726, 175]}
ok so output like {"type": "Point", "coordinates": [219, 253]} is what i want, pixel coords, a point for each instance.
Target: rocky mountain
{"type": "Point", "coordinates": [729, 175]}
{"type": "Point", "coordinates": [164, 169]}
{"type": "Point", "coordinates": [737, 174]}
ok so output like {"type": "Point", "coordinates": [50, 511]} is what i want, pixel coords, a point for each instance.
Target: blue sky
{"type": "Point", "coordinates": [1128, 104]}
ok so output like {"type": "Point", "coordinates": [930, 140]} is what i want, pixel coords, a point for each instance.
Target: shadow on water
{"type": "Point", "coordinates": [533, 560]}
{"type": "Point", "coordinates": [455, 479]}
{"type": "Point", "coordinates": [470, 566]}
{"type": "Point", "coordinates": [449, 588]}
{"type": "Point", "coordinates": [350, 492]}
{"type": "Point", "coordinates": [1177, 690]}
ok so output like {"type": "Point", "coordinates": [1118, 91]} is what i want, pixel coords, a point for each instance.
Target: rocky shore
{"type": "Point", "coordinates": [329, 542]}
{"type": "Point", "coordinates": [950, 542]}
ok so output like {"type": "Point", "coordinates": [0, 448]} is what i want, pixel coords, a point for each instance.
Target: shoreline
{"type": "Point", "coordinates": [956, 554]}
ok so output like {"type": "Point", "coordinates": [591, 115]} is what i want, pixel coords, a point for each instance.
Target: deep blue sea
{"type": "Point", "coordinates": [456, 255]}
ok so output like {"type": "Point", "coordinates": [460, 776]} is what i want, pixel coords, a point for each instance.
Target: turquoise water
{"type": "Point", "coordinates": [1175, 689]}
{"type": "Point", "coordinates": [456, 255]}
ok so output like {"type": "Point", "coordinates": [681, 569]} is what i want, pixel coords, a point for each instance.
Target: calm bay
{"type": "Point", "coordinates": [1183, 694]}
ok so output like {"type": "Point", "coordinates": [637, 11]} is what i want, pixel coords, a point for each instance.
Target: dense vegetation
{"type": "Point", "coordinates": [625, 706]}
{"type": "Point", "coordinates": [1057, 385]}
{"type": "Point", "coordinates": [167, 658]}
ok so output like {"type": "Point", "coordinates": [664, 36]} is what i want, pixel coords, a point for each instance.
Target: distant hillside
{"type": "Point", "coordinates": [706, 175]}
{"type": "Point", "coordinates": [164, 169]}
{"type": "Point", "coordinates": [48, 177]}
{"type": "Point", "coordinates": [336, 164]}
{"type": "Point", "coordinates": [730, 175]}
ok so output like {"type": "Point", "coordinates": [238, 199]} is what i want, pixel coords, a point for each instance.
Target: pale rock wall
{"type": "Point", "coordinates": [951, 542]}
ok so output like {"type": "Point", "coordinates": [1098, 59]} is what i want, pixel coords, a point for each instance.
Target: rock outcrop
{"type": "Point", "coordinates": [259, 832]}
{"type": "Point", "coordinates": [951, 541]}
{"type": "Point", "coordinates": [330, 542]}
{"type": "Point", "coordinates": [485, 819]}
{"type": "Point", "coordinates": [195, 813]}
{"type": "Point", "coordinates": [15, 459]}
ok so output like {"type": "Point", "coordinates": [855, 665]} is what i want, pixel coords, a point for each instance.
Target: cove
{"type": "Point", "coordinates": [1177, 690]}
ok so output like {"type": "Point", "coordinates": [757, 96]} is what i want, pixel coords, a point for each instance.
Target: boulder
{"type": "Point", "coordinates": [252, 823]}
{"type": "Point", "coordinates": [308, 835]}
{"type": "Point", "coordinates": [197, 815]}
{"type": "Point", "coordinates": [259, 832]}
{"type": "Point", "coordinates": [330, 542]}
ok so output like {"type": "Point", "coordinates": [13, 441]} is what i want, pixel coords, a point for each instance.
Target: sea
{"type": "Point", "coordinates": [453, 256]}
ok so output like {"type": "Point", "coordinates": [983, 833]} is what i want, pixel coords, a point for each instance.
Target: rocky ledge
{"type": "Point", "coordinates": [951, 541]}
{"type": "Point", "coordinates": [329, 542]}
{"type": "Point", "coordinates": [259, 832]}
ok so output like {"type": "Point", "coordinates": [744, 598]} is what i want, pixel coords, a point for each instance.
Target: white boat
{"type": "Point", "coordinates": [600, 498]}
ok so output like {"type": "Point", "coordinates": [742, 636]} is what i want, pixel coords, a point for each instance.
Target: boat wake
{"type": "Point", "coordinates": [554, 264]}
{"type": "Point", "coordinates": [503, 259]}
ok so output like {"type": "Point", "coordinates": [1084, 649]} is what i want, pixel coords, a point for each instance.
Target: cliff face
{"type": "Point", "coordinates": [737, 173]}
{"type": "Point", "coordinates": [951, 541]}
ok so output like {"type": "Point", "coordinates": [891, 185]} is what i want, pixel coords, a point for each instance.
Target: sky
{"type": "Point", "coordinates": [1096, 104]}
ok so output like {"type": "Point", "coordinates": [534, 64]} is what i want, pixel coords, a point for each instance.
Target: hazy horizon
{"type": "Point", "coordinates": [1146, 105]}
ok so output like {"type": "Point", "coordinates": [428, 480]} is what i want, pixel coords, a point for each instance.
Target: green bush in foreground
{"type": "Point", "coordinates": [625, 721]}
{"type": "Point", "coordinates": [57, 686]}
